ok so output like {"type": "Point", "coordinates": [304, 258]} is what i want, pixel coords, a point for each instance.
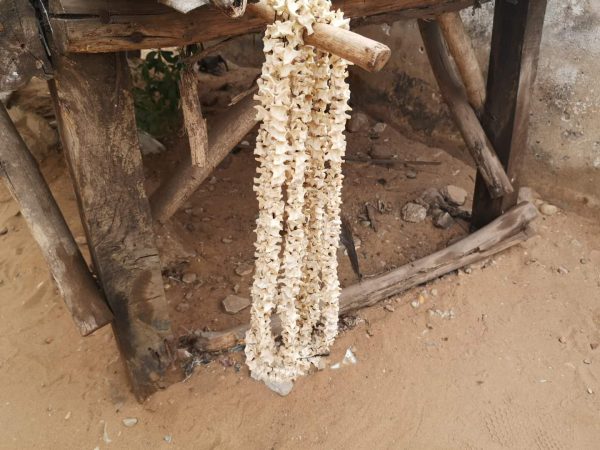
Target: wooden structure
{"type": "Point", "coordinates": [84, 52]}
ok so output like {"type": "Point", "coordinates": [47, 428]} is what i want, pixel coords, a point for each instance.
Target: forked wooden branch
{"type": "Point", "coordinates": [506, 231]}
{"type": "Point", "coordinates": [462, 52]}
{"type": "Point", "coordinates": [194, 123]}
{"type": "Point", "coordinates": [226, 130]}
{"type": "Point", "coordinates": [49, 229]}
{"type": "Point", "coordinates": [360, 50]}
{"type": "Point", "coordinates": [464, 116]}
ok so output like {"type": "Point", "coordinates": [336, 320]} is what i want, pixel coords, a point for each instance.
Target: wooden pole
{"type": "Point", "coordinates": [506, 231]}
{"type": "Point", "coordinates": [516, 37]}
{"type": "Point", "coordinates": [226, 130]}
{"type": "Point", "coordinates": [96, 120]}
{"type": "Point", "coordinates": [49, 229]}
{"type": "Point", "coordinates": [360, 50]}
{"type": "Point", "coordinates": [464, 56]}
{"type": "Point", "coordinates": [464, 116]}
{"type": "Point", "coordinates": [195, 125]}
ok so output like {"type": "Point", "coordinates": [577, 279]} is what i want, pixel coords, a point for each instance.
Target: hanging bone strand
{"type": "Point", "coordinates": [303, 99]}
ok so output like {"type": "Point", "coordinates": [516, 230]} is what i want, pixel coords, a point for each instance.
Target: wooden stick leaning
{"type": "Point", "coordinates": [23, 178]}
{"type": "Point", "coordinates": [195, 125]}
{"type": "Point", "coordinates": [464, 56]}
{"type": "Point", "coordinates": [464, 116]}
{"type": "Point", "coordinates": [227, 129]}
{"type": "Point", "coordinates": [506, 231]}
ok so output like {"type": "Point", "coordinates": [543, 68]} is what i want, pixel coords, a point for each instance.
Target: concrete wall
{"type": "Point", "coordinates": [563, 156]}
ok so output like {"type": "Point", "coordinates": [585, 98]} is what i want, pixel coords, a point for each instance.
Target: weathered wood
{"type": "Point", "coordinates": [195, 125]}
{"type": "Point", "coordinates": [131, 25]}
{"type": "Point", "coordinates": [464, 116]}
{"type": "Point", "coordinates": [516, 37]}
{"type": "Point", "coordinates": [49, 229]}
{"type": "Point", "coordinates": [22, 55]}
{"type": "Point", "coordinates": [462, 52]}
{"type": "Point", "coordinates": [96, 120]}
{"type": "Point", "coordinates": [360, 50]}
{"type": "Point", "coordinates": [225, 131]}
{"type": "Point", "coordinates": [506, 231]}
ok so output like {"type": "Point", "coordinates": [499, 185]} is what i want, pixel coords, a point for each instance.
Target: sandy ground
{"type": "Point", "coordinates": [504, 356]}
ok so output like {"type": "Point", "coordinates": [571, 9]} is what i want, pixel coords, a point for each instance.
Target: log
{"type": "Point", "coordinates": [95, 114]}
{"type": "Point", "coordinates": [22, 55]}
{"type": "Point", "coordinates": [226, 130]}
{"type": "Point", "coordinates": [514, 53]}
{"type": "Point", "coordinates": [505, 232]}
{"type": "Point", "coordinates": [360, 50]}
{"type": "Point", "coordinates": [464, 116]}
{"type": "Point", "coordinates": [462, 52]}
{"type": "Point", "coordinates": [195, 125]}
{"type": "Point", "coordinates": [26, 183]}
{"type": "Point", "coordinates": [96, 26]}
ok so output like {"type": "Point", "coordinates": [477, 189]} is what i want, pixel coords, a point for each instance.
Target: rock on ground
{"type": "Point", "coordinates": [358, 121]}
{"type": "Point", "coordinates": [413, 212]}
{"type": "Point", "coordinates": [454, 195]}
{"type": "Point", "coordinates": [234, 303]}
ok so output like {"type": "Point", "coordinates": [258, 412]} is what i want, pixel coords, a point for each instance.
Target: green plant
{"type": "Point", "coordinates": [157, 101]}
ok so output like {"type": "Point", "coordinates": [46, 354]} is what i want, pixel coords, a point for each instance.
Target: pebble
{"type": "Point", "coordinates": [226, 240]}
{"type": "Point", "coordinates": [189, 277]}
{"type": "Point", "coordinates": [358, 121]}
{"type": "Point", "coordinates": [389, 308]}
{"type": "Point", "coordinates": [130, 422]}
{"type": "Point", "coordinates": [587, 361]}
{"type": "Point", "coordinates": [411, 174]}
{"type": "Point", "coordinates": [3, 231]}
{"type": "Point", "coordinates": [454, 195]}
{"type": "Point", "coordinates": [593, 345]}
{"type": "Point", "coordinates": [349, 357]}
{"type": "Point", "coordinates": [434, 292]}
{"type": "Point", "coordinates": [548, 210]}
{"type": "Point", "coordinates": [415, 303]}
{"type": "Point", "coordinates": [590, 391]}
{"type": "Point", "coordinates": [233, 304]}
{"type": "Point", "coordinates": [182, 307]}
{"type": "Point", "coordinates": [562, 270]}
{"type": "Point", "coordinates": [282, 388]}
{"type": "Point", "coordinates": [443, 220]}
{"type": "Point", "coordinates": [168, 438]}
{"type": "Point", "coordinates": [382, 151]}
{"type": "Point", "coordinates": [562, 340]}
{"type": "Point", "coordinates": [244, 269]}
{"type": "Point", "coordinates": [183, 354]}
{"type": "Point", "coordinates": [413, 212]}
{"type": "Point", "coordinates": [378, 128]}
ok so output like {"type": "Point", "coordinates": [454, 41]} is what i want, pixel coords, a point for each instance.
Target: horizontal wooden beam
{"type": "Point", "coordinates": [98, 26]}
{"type": "Point", "coordinates": [504, 232]}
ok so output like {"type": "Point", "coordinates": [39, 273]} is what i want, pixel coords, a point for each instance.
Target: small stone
{"type": "Point", "coordinates": [415, 304]}
{"type": "Point", "coordinates": [562, 340]}
{"type": "Point", "coordinates": [443, 220]}
{"type": "Point", "coordinates": [3, 231]}
{"type": "Point", "coordinates": [587, 361]}
{"type": "Point", "coordinates": [454, 195]}
{"type": "Point", "coordinates": [411, 174]}
{"type": "Point", "coordinates": [189, 277]}
{"type": "Point", "coordinates": [378, 128]}
{"type": "Point", "coordinates": [382, 151]}
{"type": "Point", "coordinates": [349, 357]}
{"type": "Point", "coordinates": [213, 180]}
{"type": "Point", "coordinates": [590, 391]}
{"type": "Point", "coordinates": [244, 269]}
{"type": "Point", "coordinates": [562, 270]}
{"type": "Point", "coordinates": [130, 422]}
{"type": "Point", "coordinates": [358, 121]}
{"type": "Point", "coordinates": [226, 240]}
{"type": "Point", "coordinates": [414, 213]}
{"type": "Point", "coordinates": [233, 304]}
{"type": "Point", "coordinates": [434, 292]}
{"type": "Point", "coordinates": [468, 270]}
{"type": "Point", "coordinates": [68, 415]}
{"type": "Point", "coordinates": [188, 295]}
{"type": "Point", "coordinates": [357, 243]}
{"type": "Point", "coordinates": [282, 388]}
{"type": "Point", "coordinates": [593, 345]}
{"type": "Point", "coordinates": [168, 438]}
{"type": "Point", "coordinates": [182, 307]}
{"type": "Point", "coordinates": [583, 261]}
{"type": "Point", "coordinates": [548, 210]}
{"type": "Point", "coordinates": [389, 308]}
{"type": "Point", "coordinates": [183, 354]}
{"type": "Point", "coordinates": [236, 288]}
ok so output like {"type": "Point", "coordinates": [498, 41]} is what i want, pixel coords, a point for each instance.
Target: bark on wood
{"type": "Point", "coordinates": [506, 231]}
{"type": "Point", "coordinates": [464, 116]}
{"type": "Point", "coordinates": [97, 125]}
{"type": "Point", "coordinates": [516, 37]}
{"type": "Point", "coordinates": [22, 55]}
{"type": "Point", "coordinates": [132, 25]}
{"type": "Point", "coordinates": [226, 130]}
{"type": "Point", "coordinates": [195, 125]}
{"type": "Point", "coordinates": [464, 56]}
{"type": "Point", "coordinates": [49, 229]}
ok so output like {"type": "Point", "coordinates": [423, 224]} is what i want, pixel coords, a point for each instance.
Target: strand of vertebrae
{"type": "Point", "coordinates": [300, 145]}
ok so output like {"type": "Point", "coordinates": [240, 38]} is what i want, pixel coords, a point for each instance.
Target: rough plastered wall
{"type": "Point", "coordinates": [563, 156]}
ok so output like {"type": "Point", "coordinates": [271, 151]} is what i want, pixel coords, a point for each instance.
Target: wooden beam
{"type": "Point", "coordinates": [506, 231]}
{"type": "Point", "coordinates": [516, 37]}
{"type": "Point", "coordinates": [195, 125]}
{"type": "Point", "coordinates": [96, 120]}
{"type": "Point", "coordinates": [92, 26]}
{"type": "Point", "coordinates": [49, 229]}
{"type": "Point", "coordinates": [226, 130]}
{"type": "Point", "coordinates": [22, 55]}
{"type": "Point", "coordinates": [462, 52]}
{"type": "Point", "coordinates": [464, 116]}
